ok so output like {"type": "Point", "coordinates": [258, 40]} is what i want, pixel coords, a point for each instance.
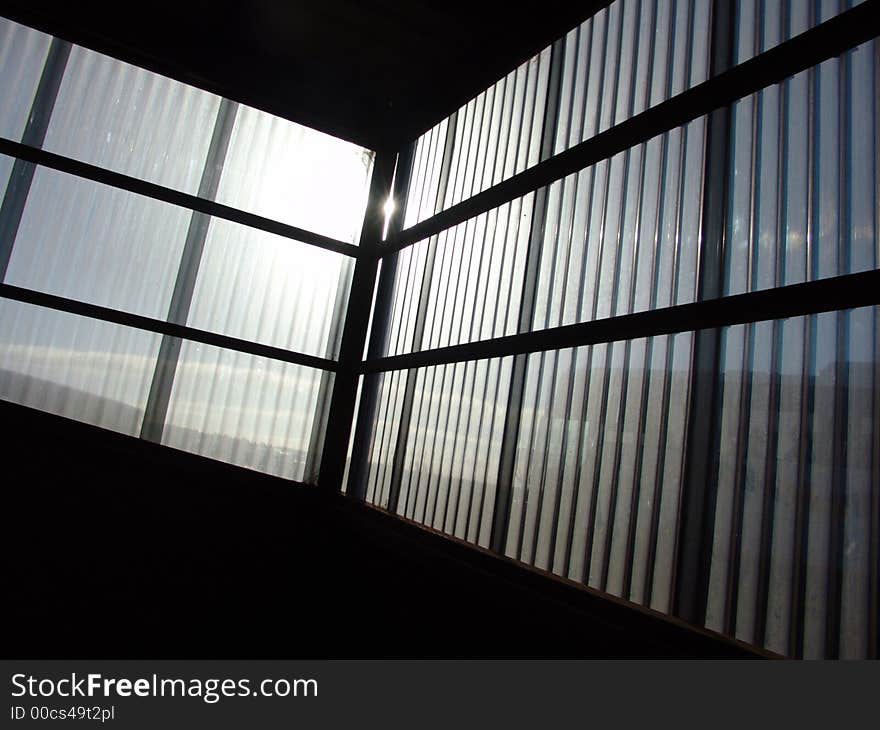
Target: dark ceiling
{"type": "Point", "coordinates": [376, 72]}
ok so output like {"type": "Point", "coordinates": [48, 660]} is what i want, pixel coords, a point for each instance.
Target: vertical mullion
{"type": "Point", "coordinates": [837, 555]}
{"type": "Point", "coordinates": [699, 488]}
{"type": "Point", "coordinates": [365, 425]}
{"type": "Point", "coordinates": [159, 397]}
{"type": "Point", "coordinates": [874, 536]}
{"type": "Point", "coordinates": [873, 651]}
{"type": "Point", "coordinates": [22, 174]}
{"type": "Point", "coordinates": [510, 433]}
{"type": "Point", "coordinates": [354, 334]}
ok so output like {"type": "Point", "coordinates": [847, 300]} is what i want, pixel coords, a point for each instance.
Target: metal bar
{"type": "Point", "coordinates": [159, 326]}
{"type": "Point", "coordinates": [504, 487]}
{"type": "Point", "coordinates": [382, 310]}
{"type": "Point", "coordinates": [53, 161]}
{"type": "Point", "coordinates": [341, 410]}
{"type": "Point", "coordinates": [22, 174]}
{"type": "Point", "coordinates": [159, 397]}
{"type": "Point", "coordinates": [700, 484]}
{"type": "Point", "coordinates": [409, 393]}
{"type": "Point", "coordinates": [831, 38]}
{"type": "Point", "coordinates": [826, 295]}
{"type": "Point", "coordinates": [836, 547]}
{"type": "Point", "coordinates": [325, 386]}
{"type": "Point", "coordinates": [874, 533]}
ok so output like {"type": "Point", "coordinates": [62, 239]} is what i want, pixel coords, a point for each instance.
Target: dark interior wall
{"type": "Point", "coordinates": [114, 547]}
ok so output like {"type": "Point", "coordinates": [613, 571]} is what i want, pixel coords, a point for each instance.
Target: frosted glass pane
{"type": "Point", "coordinates": [384, 437]}
{"type": "Point", "coordinates": [265, 288]}
{"type": "Point", "coordinates": [599, 464]}
{"type": "Point", "coordinates": [620, 236]}
{"type": "Point", "coordinates": [242, 409]}
{"type": "Point", "coordinates": [81, 368]}
{"type": "Point", "coordinates": [623, 235]}
{"type": "Point", "coordinates": [98, 244]}
{"type": "Point", "coordinates": [129, 120]}
{"type": "Point", "coordinates": [296, 175]}
{"type": "Point", "coordinates": [627, 58]}
{"type": "Point", "coordinates": [803, 177]}
{"type": "Point", "coordinates": [22, 54]}
{"type": "Point", "coordinates": [475, 283]}
{"type": "Point", "coordinates": [796, 478]}
{"type": "Point", "coordinates": [495, 135]}
{"type": "Point", "coordinates": [453, 449]}
{"type": "Point", "coordinates": [761, 25]}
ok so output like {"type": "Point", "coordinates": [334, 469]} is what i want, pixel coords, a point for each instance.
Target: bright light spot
{"type": "Point", "coordinates": [389, 208]}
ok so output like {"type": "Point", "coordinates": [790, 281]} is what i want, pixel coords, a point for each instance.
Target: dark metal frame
{"type": "Point", "coordinates": [712, 311]}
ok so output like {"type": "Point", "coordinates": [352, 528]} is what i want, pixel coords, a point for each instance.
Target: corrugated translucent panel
{"type": "Point", "coordinates": [599, 465]}
{"type": "Point", "coordinates": [77, 367]}
{"type": "Point", "coordinates": [762, 25]}
{"type": "Point", "coordinates": [114, 115]}
{"type": "Point", "coordinates": [390, 397]}
{"type": "Point", "coordinates": [261, 287]}
{"type": "Point", "coordinates": [22, 54]}
{"type": "Point", "coordinates": [243, 409]}
{"type": "Point", "coordinates": [453, 447]}
{"type": "Point", "coordinates": [623, 235]}
{"type": "Point", "coordinates": [626, 58]}
{"type": "Point", "coordinates": [798, 474]}
{"type": "Point", "coordinates": [466, 282]}
{"type": "Point", "coordinates": [618, 237]}
{"type": "Point", "coordinates": [296, 175]}
{"type": "Point", "coordinates": [130, 120]}
{"type": "Point", "coordinates": [424, 197]}
{"type": "Point", "coordinates": [410, 270]}
{"type": "Point", "coordinates": [497, 134]}
{"type": "Point", "coordinates": [91, 242]}
{"type": "Point", "coordinates": [803, 177]}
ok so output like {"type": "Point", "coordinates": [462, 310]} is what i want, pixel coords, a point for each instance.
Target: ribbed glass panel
{"type": "Point", "coordinates": [76, 367]}
{"type": "Point", "coordinates": [629, 56]}
{"type": "Point", "coordinates": [762, 25]}
{"type": "Point", "coordinates": [803, 186]}
{"type": "Point", "coordinates": [797, 473]}
{"type": "Point", "coordinates": [474, 274]}
{"type": "Point", "coordinates": [477, 279]}
{"type": "Point", "coordinates": [423, 197]}
{"type": "Point", "coordinates": [264, 288]}
{"type": "Point", "coordinates": [626, 58]}
{"type": "Point", "coordinates": [497, 134]}
{"type": "Point", "coordinates": [407, 293]}
{"type": "Point", "coordinates": [133, 121]}
{"type": "Point", "coordinates": [296, 175]}
{"type": "Point", "coordinates": [599, 464]}
{"type": "Point", "coordinates": [243, 409]}
{"type": "Point", "coordinates": [98, 244]}
{"type": "Point", "coordinates": [22, 54]}
{"type": "Point", "coordinates": [623, 235]}
{"type": "Point", "coordinates": [114, 115]}
{"type": "Point", "coordinates": [383, 440]}
{"type": "Point", "coordinates": [453, 448]}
